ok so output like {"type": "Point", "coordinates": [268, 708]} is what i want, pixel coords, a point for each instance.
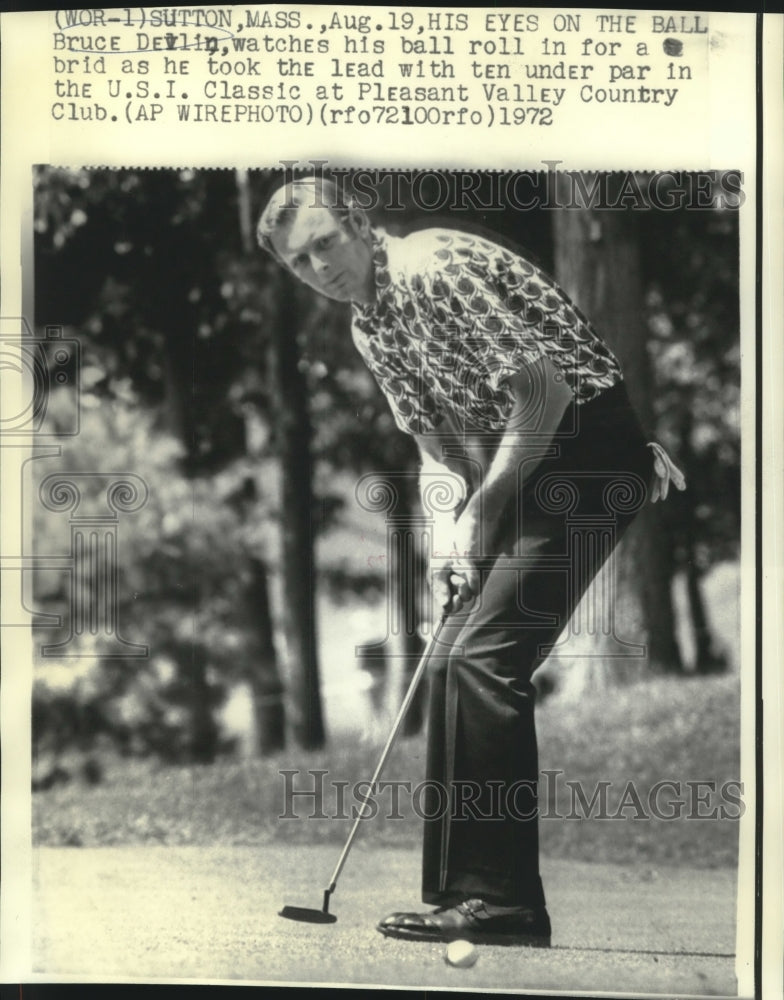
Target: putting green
{"type": "Point", "coordinates": [211, 914]}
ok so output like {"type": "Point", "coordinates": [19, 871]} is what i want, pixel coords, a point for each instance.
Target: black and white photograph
{"type": "Point", "coordinates": [383, 541]}
{"type": "Point", "coordinates": [395, 457]}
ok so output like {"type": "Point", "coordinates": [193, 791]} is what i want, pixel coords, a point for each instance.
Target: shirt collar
{"type": "Point", "coordinates": [366, 312]}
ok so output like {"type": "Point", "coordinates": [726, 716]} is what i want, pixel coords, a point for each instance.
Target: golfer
{"type": "Point", "coordinates": [521, 409]}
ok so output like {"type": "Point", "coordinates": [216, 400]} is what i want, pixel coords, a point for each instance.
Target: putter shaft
{"type": "Point", "coordinates": [412, 689]}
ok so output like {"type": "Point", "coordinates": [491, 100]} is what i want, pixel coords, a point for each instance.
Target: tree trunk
{"type": "Point", "coordinates": [393, 660]}
{"type": "Point", "coordinates": [204, 733]}
{"type": "Point", "coordinates": [406, 583]}
{"type": "Point", "coordinates": [708, 658]}
{"type": "Point", "coordinates": [597, 261]}
{"type": "Point", "coordinates": [292, 439]}
{"type": "Point", "coordinates": [268, 709]}
{"type": "Point", "coordinates": [178, 375]}
{"type": "Point", "coordinates": [268, 693]}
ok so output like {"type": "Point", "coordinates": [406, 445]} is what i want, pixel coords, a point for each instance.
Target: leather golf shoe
{"type": "Point", "coordinates": [473, 920]}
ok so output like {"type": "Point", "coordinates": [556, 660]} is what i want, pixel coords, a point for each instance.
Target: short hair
{"type": "Point", "coordinates": [283, 204]}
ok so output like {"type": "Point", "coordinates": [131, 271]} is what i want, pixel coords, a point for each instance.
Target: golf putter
{"type": "Point", "coordinates": [323, 916]}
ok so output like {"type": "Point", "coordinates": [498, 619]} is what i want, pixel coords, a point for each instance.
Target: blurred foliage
{"type": "Point", "coordinates": [182, 572]}
{"type": "Point", "coordinates": [692, 305]}
{"type": "Point", "coordinates": [148, 270]}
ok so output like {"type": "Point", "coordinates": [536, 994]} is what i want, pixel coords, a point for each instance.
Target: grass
{"type": "Point", "coordinates": [672, 729]}
{"type": "Point", "coordinates": [684, 731]}
{"type": "Point", "coordinates": [681, 730]}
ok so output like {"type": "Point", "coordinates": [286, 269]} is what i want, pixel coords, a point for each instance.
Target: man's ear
{"type": "Point", "coordinates": [359, 223]}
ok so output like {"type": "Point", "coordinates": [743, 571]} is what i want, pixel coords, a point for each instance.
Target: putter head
{"type": "Point", "coordinates": [306, 915]}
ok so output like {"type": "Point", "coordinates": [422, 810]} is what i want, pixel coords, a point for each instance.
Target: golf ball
{"type": "Point", "coordinates": [461, 954]}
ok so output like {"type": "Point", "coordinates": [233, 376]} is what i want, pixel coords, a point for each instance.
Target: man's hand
{"type": "Point", "coordinates": [456, 581]}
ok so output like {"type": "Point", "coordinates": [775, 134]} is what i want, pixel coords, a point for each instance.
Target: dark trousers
{"type": "Point", "coordinates": [481, 839]}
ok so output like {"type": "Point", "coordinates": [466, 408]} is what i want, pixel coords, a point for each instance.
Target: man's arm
{"type": "Point", "coordinates": [524, 441]}
{"type": "Point", "coordinates": [443, 493]}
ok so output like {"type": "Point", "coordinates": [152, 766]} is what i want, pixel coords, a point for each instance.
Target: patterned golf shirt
{"type": "Point", "coordinates": [454, 316]}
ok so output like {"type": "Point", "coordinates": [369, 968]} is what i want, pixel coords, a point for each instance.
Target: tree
{"type": "Point", "coordinates": [292, 436]}
{"type": "Point", "coordinates": [597, 260]}
{"type": "Point", "coordinates": [166, 318]}
{"type": "Point", "coordinates": [692, 306]}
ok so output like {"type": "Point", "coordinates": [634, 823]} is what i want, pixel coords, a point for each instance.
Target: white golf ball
{"type": "Point", "coordinates": [461, 954]}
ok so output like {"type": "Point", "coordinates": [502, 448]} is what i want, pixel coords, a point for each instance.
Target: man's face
{"type": "Point", "coordinates": [328, 253]}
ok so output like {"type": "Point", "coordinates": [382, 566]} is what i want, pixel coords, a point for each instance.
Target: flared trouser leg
{"type": "Point", "coordinates": [481, 836]}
